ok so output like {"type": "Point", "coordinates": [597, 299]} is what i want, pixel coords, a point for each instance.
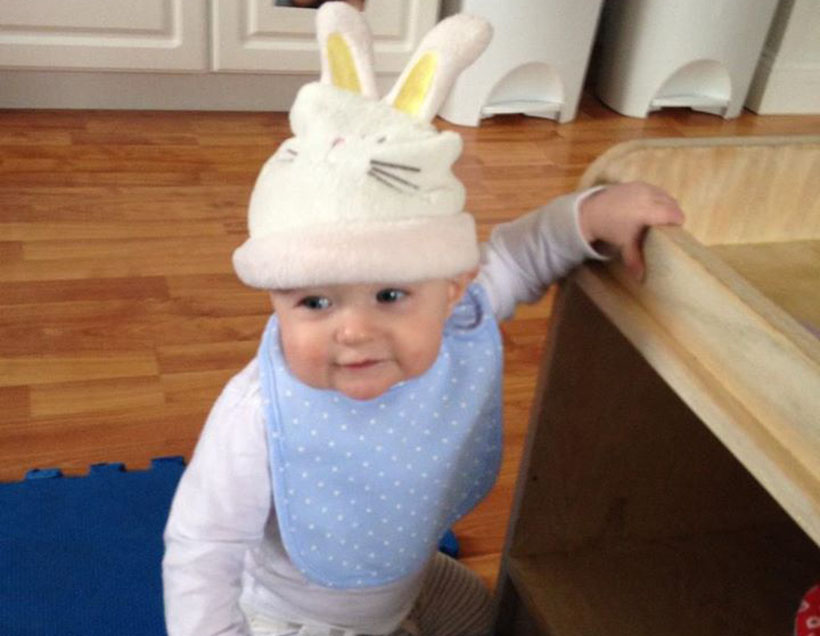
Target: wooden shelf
{"type": "Point", "coordinates": [734, 583]}
{"type": "Point", "coordinates": [671, 480]}
{"type": "Point", "coordinates": [786, 272]}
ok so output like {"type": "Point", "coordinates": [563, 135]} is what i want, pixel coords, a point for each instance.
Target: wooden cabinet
{"type": "Point", "coordinates": [104, 35]}
{"type": "Point", "coordinates": [250, 35]}
{"type": "Point", "coordinates": [671, 482]}
{"type": "Point", "coordinates": [187, 54]}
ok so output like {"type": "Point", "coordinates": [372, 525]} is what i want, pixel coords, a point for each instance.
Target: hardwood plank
{"type": "Point", "coordinates": [28, 138]}
{"type": "Point", "coordinates": [35, 231]}
{"type": "Point", "coordinates": [73, 441]}
{"type": "Point", "coordinates": [93, 267]}
{"type": "Point", "coordinates": [50, 368]}
{"type": "Point", "coordinates": [206, 357]}
{"type": "Point", "coordinates": [11, 251]}
{"type": "Point", "coordinates": [121, 325]}
{"type": "Point", "coordinates": [94, 396]}
{"type": "Point", "coordinates": [15, 402]}
{"type": "Point", "coordinates": [199, 388]}
{"type": "Point", "coordinates": [32, 176]}
{"type": "Point", "coordinates": [50, 291]}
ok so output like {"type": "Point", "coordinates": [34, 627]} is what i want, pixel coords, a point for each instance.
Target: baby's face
{"type": "Point", "coordinates": [362, 339]}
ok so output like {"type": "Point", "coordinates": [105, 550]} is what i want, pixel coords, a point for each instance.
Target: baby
{"type": "Point", "coordinates": [370, 420]}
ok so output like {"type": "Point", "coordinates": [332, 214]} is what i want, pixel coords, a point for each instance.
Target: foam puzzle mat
{"type": "Point", "coordinates": [82, 555]}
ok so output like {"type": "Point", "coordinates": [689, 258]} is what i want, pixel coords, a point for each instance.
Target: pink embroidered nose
{"type": "Point", "coordinates": [336, 142]}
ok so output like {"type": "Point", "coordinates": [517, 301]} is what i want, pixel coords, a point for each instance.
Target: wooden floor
{"type": "Point", "coordinates": [121, 318]}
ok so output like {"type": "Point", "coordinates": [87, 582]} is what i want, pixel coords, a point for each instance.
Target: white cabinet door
{"type": "Point", "coordinates": [257, 35]}
{"type": "Point", "coordinates": [104, 34]}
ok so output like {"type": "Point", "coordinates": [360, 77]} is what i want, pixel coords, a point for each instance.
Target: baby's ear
{"type": "Point", "coordinates": [346, 47]}
{"type": "Point", "coordinates": [458, 285]}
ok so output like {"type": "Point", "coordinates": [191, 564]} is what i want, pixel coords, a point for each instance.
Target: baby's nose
{"type": "Point", "coordinates": [355, 327]}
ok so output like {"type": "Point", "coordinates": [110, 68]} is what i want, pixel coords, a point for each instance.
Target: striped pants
{"type": "Point", "coordinates": [453, 602]}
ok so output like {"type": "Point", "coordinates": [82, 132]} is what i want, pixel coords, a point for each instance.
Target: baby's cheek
{"type": "Point", "coordinates": [307, 361]}
{"type": "Point", "coordinates": [422, 354]}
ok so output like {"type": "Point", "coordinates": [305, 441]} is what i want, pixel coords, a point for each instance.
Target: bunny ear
{"type": "Point", "coordinates": [346, 48]}
{"type": "Point", "coordinates": [450, 47]}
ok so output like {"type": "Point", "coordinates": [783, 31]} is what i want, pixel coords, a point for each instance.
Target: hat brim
{"type": "Point", "coordinates": [397, 252]}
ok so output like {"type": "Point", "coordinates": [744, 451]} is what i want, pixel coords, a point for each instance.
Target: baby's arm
{"type": "Point", "coordinates": [525, 256]}
{"type": "Point", "coordinates": [219, 511]}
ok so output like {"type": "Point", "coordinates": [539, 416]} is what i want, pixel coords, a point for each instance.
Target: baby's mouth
{"type": "Point", "coordinates": [361, 364]}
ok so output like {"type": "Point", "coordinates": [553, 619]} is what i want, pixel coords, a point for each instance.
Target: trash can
{"type": "Point", "coordinates": [535, 63]}
{"type": "Point", "coordinates": [699, 54]}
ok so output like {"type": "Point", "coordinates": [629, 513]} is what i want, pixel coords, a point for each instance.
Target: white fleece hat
{"type": "Point", "coordinates": [364, 191]}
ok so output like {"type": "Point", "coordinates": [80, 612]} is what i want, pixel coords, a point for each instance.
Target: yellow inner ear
{"type": "Point", "coordinates": [342, 67]}
{"type": "Point", "coordinates": [417, 85]}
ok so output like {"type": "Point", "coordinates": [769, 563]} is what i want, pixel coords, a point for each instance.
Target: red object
{"type": "Point", "coordinates": [807, 622]}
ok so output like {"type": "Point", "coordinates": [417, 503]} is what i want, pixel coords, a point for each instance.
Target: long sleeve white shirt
{"type": "Point", "coordinates": [223, 547]}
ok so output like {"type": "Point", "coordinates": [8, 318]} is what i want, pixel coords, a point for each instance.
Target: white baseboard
{"type": "Point", "coordinates": [150, 91]}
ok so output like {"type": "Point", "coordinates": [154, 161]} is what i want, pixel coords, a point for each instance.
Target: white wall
{"type": "Point", "coordinates": [788, 75]}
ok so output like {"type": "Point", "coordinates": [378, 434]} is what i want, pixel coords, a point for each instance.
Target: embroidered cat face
{"type": "Point", "coordinates": [361, 340]}
{"type": "Point", "coordinates": [355, 160]}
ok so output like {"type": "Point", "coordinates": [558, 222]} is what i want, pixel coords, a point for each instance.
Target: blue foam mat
{"type": "Point", "coordinates": [82, 555]}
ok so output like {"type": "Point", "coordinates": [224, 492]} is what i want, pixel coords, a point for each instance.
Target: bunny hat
{"type": "Point", "coordinates": [364, 192]}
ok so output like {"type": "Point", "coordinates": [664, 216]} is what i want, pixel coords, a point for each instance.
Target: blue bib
{"type": "Point", "coordinates": [364, 490]}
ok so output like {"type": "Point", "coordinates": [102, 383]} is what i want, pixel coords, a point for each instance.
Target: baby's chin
{"type": "Point", "coordinates": [372, 388]}
{"type": "Point", "coordinates": [364, 384]}
{"type": "Point", "coordinates": [364, 395]}
{"type": "Point", "coordinates": [366, 390]}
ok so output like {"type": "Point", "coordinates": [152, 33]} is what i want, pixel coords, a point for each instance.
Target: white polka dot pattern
{"type": "Point", "coordinates": [364, 490]}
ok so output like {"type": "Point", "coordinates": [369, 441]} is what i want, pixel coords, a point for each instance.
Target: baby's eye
{"type": "Point", "coordinates": [315, 302]}
{"type": "Point", "coordinates": [390, 295]}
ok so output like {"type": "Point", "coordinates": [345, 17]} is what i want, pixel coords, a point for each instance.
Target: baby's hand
{"type": "Point", "coordinates": [620, 214]}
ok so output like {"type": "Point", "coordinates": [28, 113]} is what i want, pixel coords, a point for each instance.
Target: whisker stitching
{"type": "Point", "coordinates": [384, 181]}
{"type": "Point", "coordinates": [395, 178]}
{"type": "Point", "coordinates": [398, 166]}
